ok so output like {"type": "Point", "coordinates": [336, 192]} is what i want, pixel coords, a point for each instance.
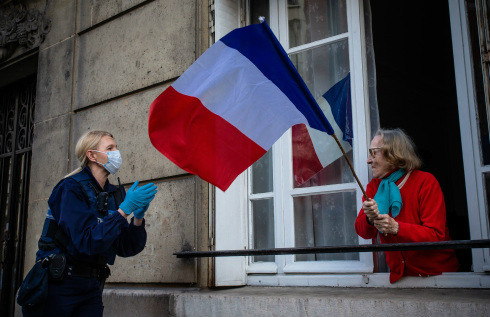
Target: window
{"type": "Point", "coordinates": [280, 203]}
{"type": "Point", "coordinates": [287, 203]}
{"type": "Point", "coordinates": [290, 202]}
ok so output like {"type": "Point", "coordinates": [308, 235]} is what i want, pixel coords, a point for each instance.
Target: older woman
{"type": "Point", "coordinates": [405, 205]}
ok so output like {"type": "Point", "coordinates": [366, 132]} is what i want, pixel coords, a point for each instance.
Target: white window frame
{"type": "Point", "coordinates": [473, 168]}
{"type": "Point", "coordinates": [232, 223]}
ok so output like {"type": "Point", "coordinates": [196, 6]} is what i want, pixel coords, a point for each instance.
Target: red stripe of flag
{"type": "Point", "coordinates": [305, 161]}
{"type": "Point", "coordinates": [198, 141]}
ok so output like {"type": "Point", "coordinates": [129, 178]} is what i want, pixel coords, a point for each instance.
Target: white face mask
{"type": "Point", "coordinates": [114, 161]}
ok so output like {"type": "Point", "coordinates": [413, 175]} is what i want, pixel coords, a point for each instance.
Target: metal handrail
{"type": "Point", "coordinates": [455, 244]}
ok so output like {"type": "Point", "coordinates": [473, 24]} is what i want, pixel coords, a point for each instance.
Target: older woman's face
{"type": "Point", "coordinates": [379, 164]}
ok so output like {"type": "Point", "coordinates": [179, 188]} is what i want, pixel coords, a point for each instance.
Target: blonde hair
{"type": "Point", "coordinates": [399, 149]}
{"type": "Point", "coordinates": [88, 141]}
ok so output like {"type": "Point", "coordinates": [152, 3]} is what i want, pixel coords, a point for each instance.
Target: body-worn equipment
{"type": "Point", "coordinates": [83, 225]}
{"type": "Point", "coordinates": [57, 266]}
{"type": "Point", "coordinates": [54, 240]}
{"type": "Point", "coordinates": [34, 288]}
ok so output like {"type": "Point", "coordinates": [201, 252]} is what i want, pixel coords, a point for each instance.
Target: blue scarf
{"type": "Point", "coordinates": [388, 196]}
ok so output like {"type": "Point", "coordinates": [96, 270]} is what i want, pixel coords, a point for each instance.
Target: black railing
{"type": "Point", "coordinates": [456, 244]}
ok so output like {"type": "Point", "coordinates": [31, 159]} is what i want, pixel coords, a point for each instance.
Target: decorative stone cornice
{"type": "Point", "coordinates": [21, 27]}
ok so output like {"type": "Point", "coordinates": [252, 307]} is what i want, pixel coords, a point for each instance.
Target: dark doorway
{"type": "Point", "coordinates": [16, 131]}
{"type": "Point", "coordinates": [417, 92]}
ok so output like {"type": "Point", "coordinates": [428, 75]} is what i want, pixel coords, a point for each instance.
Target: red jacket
{"type": "Point", "coordinates": [421, 219]}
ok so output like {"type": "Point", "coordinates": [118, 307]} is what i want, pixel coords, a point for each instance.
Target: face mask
{"type": "Point", "coordinates": [114, 161]}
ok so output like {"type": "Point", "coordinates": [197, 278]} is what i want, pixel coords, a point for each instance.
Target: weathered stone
{"type": "Point", "coordinates": [62, 15]}
{"type": "Point", "coordinates": [293, 301]}
{"type": "Point", "coordinates": [170, 227]}
{"type": "Point", "coordinates": [127, 120]}
{"type": "Point", "coordinates": [331, 301]}
{"type": "Point", "coordinates": [202, 230]}
{"type": "Point", "coordinates": [49, 156]}
{"type": "Point", "coordinates": [117, 304]}
{"type": "Point", "coordinates": [54, 82]}
{"type": "Point", "coordinates": [15, 33]}
{"type": "Point", "coordinates": [149, 45]}
{"type": "Point", "coordinates": [96, 11]}
{"type": "Point", "coordinates": [35, 221]}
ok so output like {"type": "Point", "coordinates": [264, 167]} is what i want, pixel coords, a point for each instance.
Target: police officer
{"type": "Point", "coordinates": [86, 227]}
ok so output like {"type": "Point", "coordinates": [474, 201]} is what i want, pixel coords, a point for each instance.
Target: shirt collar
{"type": "Point", "coordinates": [107, 187]}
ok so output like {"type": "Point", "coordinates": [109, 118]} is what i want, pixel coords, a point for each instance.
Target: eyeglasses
{"type": "Point", "coordinates": [373, 150]}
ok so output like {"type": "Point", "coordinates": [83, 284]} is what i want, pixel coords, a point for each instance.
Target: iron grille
{"type": "Point", "coordinates": [16, 133]}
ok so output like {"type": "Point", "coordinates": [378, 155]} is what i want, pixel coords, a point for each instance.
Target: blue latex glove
{"type": "Point", "coordinates": [140, 212]}
{"type": "Point", "coordinates": [138, 197]}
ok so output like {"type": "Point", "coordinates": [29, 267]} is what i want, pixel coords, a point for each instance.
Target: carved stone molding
{"type": "Point", "coordinates": [21, 27]}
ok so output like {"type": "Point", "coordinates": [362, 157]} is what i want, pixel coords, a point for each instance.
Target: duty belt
{"type": "Point", "coordinates": [87, 271]}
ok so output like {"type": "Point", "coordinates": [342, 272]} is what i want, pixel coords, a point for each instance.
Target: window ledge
{"type": "Point", "coordinates": [446, 280]}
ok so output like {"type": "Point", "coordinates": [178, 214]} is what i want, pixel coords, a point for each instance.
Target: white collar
{"type": "Point", "coordinates": [404, 180]}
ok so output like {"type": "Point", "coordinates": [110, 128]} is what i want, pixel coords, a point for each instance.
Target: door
{"type": "Point", "coordinates": [17, 103]}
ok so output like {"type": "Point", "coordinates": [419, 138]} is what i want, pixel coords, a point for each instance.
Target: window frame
{"type": "Point", "coordinates": [238, 271]}
{"type": "Point", "coordinates": [282, 160]}
{"type": "Point", "coordinates": [474, 170]}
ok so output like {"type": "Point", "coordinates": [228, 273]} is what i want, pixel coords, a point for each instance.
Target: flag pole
{"type": "Point", "coordinates": [352, 169]}
{"type": "Point", "coordinates": [350, 165]}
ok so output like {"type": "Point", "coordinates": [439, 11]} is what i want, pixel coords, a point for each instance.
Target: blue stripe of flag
{"type": "Point", "coordinates": [338, 97]}
{"type": "Point", "coordinates": [257, 43]}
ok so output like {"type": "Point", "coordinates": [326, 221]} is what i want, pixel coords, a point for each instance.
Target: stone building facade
{"type": "Point", "coordinates": [99, 65]}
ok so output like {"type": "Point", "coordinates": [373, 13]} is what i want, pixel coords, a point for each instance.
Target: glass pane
{"type": "Point", "coordinates": [325, 220]}
{"type": "Point", "coordinates": [481, 82]}
{"type": "Point", "coordinates": [259, 8]}
{"type": "Point", "coordinates": [313, 20]}
{"type": "Point", "coordinates": [487, 192]}
{"type": "Point", "coordinates": [263, 227]}
{"type": "Point", "coordinates": [262, 174]}
{"type": "Point", "coordinates": [317, 159]}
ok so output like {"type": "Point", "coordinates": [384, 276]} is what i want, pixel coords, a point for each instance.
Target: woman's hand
{"type": "Point", "coordinates": [137, 197]}
{"type": "Point", "coordinates": [370, 208]}
{"type": "Point", "coordinates": [386, 224]}
{"type": "Point", "coordinates": [140, 212]}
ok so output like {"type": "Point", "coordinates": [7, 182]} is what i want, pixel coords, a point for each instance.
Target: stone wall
{"type": "Point", "coordinates": [100, 67]}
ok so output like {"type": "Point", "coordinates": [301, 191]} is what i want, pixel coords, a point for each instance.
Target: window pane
{"type": "Point", "coordinates": [317, 160]}
{"type": "Point", "coordinates": [313, 20]}
{"type": "Point", "coordinates": [487, 191]}
{"type": "Point", "coordinates": [325, 220]}
{"type": "Point", "coordinates": [259, 8]}
{"type": "Point", "coordinates": [481, 81]}
{"type": "Point", "coordinates": [262, 174]}
{"type": "Point", "coordinates": [263, 227]}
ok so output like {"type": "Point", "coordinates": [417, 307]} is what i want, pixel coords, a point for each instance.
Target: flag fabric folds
{"type": "Point", "coordinates": [231, 105]}
{"type": "Point", "coordinates": [338, 98]}
{"type": "Point", "coordinates": [313, 150]}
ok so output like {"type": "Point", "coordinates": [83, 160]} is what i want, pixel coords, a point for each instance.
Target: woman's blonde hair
{"type": "Point", "coordinates": [88, 141]}
{"type": "Point", "coordinates": [399, 149]}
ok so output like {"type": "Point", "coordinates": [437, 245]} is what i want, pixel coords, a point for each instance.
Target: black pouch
{"type": "Point", "coordinates": [102, 203]}
{"type": "Point", "coordinates": [34, 289]}
{"type": "Point", "coordinates": [105, 272]}
{"type": "Point", "coordinates": [57, 266]}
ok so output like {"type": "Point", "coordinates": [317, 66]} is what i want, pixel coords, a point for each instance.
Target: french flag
{"type": "Point", "coordinates": [314, 150]}
{"type": "Point", "coordinates": [231, 105]}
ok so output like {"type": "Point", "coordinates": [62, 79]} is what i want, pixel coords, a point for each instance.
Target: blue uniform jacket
{"type": "Point", "coordinates": [92, 235]}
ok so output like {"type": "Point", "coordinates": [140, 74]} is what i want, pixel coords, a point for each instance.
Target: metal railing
{"type": "Point", "coordinates": [456, 244]}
